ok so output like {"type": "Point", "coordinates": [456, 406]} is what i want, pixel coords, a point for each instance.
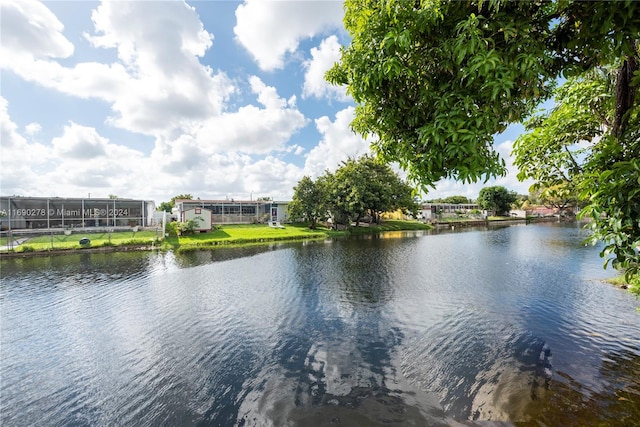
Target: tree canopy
{"type": "Point", "coordinates": [454, 200]}
{"type": "Point", "coordinates": [168, 206]}
{"type": "Point", "coordinates": [308, 202]}
{"type": "Point", "coordinates": [496, 198]}
{"type": "Point", "coordinates": [165, 206]}
{"type": "Point", "coordinates": [555, 148]}
{"type": "Point", "coordinates": [181, 197]}
{"type": "Point", "coordinates": [574, 153]}
{"type": "Point", "coordinates": [356, 189]}
{"type": "Point", "coordinates": [366, 186]}
{"type": "Point", "coordinates": [435, 80]}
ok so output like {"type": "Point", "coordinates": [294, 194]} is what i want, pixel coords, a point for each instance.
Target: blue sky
{"type": "Point", "coordinates": [150, 99]}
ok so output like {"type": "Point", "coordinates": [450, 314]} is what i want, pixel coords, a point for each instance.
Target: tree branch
{"type": "Point", "coordinates": [575, 164]}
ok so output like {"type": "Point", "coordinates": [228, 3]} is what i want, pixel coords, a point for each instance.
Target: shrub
{"type": "Point", "coordinates": [172, 229]}
{"type": "Point", "coordinates": [188, 227]}
{"type": "Point", "coordinates": [27, 248]}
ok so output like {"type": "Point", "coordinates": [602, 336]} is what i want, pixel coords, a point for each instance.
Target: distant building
{"type": "Point", "coordinates": [518, 213]}
{"type": "Point", "coordinates": [237, 211]}
{"type": "Point", "coordinates": [18, 213]}
{"type": "Point", "coordinates": [430, 211]}
{"type": "Point", "coordinates": [542, 211]}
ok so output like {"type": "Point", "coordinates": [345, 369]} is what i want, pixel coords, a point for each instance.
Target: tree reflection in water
{"type": "Point", "coordinates": [336, 362]}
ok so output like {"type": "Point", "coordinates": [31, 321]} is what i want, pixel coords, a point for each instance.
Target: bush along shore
{"type": "Point", "coordinates": [622, 283]}
{"type": "Point", "coordinates": [222, 236]}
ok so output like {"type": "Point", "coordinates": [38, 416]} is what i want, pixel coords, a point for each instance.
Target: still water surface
{"type": "Point", "coordinates": [511, 324]}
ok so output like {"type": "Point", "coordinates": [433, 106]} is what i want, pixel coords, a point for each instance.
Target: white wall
{"type": "Point", "coordinates": [204, 214]}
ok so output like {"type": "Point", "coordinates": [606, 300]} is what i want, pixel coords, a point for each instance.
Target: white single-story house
{"type": "Point", "coordinates": [237, 211]}
{"type": "Point", "coordinates": [430, 211]}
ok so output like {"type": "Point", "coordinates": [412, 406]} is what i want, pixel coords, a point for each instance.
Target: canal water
{"type": "Point", "coordinates": [512, 325]}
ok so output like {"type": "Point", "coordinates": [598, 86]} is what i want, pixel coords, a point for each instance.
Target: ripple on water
{"type": "Point", "coordinates": [383, 330]}
{"type": "Point", "coordinates": [480, 367]}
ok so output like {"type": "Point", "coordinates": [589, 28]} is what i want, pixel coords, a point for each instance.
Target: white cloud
{"type": "Point", "coordinates": [20, 160]}
{"type": "Point", "coordinates": [267, 95]}
{"type": "Point", "coordinates": [78, 161]}
{"type": "Point", "coordinates": [295, 149]}
{"type": "Point", "coordinates": [8, 130]}
{"type": "Point", "coordinates": [159, 86]}
{"type": "Point", "coordinates": [180, 155]}
{"type": "Point", "coordinates": [151, 35]}
{"type": "Point", "coordinates": [29, 28]}
{"type": "Point", "coordinates": [19, 173]}
{"type": "Point", "coordinates": [169, 88]}
{"type": "Point", "coordinates": [322, 59]}
{"type": "Point", "coordinates": [338, 143]}
{"type": "Point", "coordinates": [79, 142]}
{"type": "Point", "coordinates": [253, 129]}
{"type": "Point", "coordinates": [229, 174]}
{"type": "Point", "coordinates": [84, 80]}
{"type": "Point", "coordinates": [272, 177]}
{"type": "Point", "coordinates": [32, 129]}
{"type": "Point", "coordinates": [510, 181]}
{"type": "Point", "coordinates": [270, 30]}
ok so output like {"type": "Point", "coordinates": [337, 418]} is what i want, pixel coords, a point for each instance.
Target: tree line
{"type": "Point", "coordinates": [366, 188]}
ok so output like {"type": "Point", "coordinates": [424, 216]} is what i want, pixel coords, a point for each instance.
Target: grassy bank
{"type": "Point", "coordinates": [240, 235]}
{"type": "Point", "coordinates": [622, 283]}
{"type": "Point", "coordinates": [227, 235]}
{"type": "Point", "coordinates": [61, 242]}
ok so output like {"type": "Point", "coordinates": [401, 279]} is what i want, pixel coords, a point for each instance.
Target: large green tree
{"type": "Point", "coordinates": [165, 206]}
{"type": "Point", "coordinates": [385, 191]}
{"type": "Point", "coordinates": [435, 80]}
{"type": "Point", "coordinates": [497, 199]}
{"type": "Point", "coordinates": [359, 187]}
{"type": "Point", "coordinates": [308, 202]}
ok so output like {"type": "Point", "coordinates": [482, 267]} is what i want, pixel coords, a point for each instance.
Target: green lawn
{"type": "Point", "coordinates": [258, 233]}
{"type": "Point", "coordinates": [243, 234]}
{"type": "Point", "coordinates": [61, 241]}
{"type": "Point", "coordinates": [225, 235]}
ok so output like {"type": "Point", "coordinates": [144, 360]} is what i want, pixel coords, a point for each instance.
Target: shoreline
{"type": "Point", "coordinates": [200, 242]}
{"type": "Point", "coordinates": [168, 245]}
{"type": "Point", "coordinates": [72, 251]}
{"type": "Point", "coordinates": [491, 222]}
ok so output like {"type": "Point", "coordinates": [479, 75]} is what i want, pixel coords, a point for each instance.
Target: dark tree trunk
{"type": "Point", "coordinates": [358, 219]}
{"type": "Point", "coordinates": [625, 94]}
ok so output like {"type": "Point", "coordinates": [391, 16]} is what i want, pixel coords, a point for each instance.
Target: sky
{"type": "Point", "coordinates": [152, 99]}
